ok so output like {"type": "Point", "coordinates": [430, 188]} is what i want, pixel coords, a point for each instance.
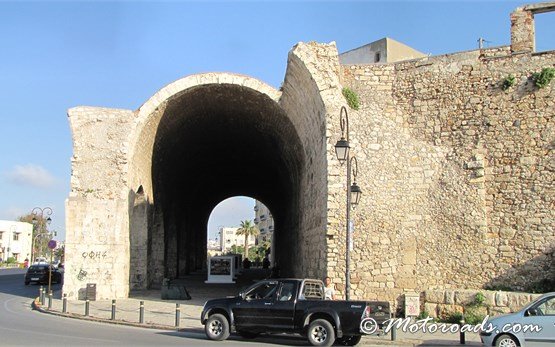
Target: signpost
{"type": "Point", "coordinates": [51, 245]}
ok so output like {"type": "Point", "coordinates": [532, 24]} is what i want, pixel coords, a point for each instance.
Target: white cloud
{"type": "Point", "coordinates": [31, 175]}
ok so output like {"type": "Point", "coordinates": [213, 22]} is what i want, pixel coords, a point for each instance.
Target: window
{"type": "Point", "coordinates": [266, 290]}
{"type": "Point", "coordinates": [312, 290]}
{"type": "Point", "coordinates": [546, 308]}
{"type": "Point", "coordinates": [377, 57]}
{"type": "Point", "coordinates": [16, 236]}
{"type": "Point", "coordinates": [287, 292]}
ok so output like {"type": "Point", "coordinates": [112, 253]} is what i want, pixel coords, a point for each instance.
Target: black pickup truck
{"type": "Point", "coordinates": [291, 306]}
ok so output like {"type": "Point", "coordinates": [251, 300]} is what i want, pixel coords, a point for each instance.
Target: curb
{"type": "Point", "coordinates": [368, 342]}
{"type": "Point", "coordinates": [38, 307]}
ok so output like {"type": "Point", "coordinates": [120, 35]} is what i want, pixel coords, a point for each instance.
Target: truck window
{"type": "Point", "coordinates": [265, 290]}
{"type": "Point", "coordinates": [287, 291]}
{"type": "Point", "coordinates": [312, 291]}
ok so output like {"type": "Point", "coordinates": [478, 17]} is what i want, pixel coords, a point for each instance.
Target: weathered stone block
{"type": "Point", "coordinates": [435, 296]}
{"type": "Point", "coordinates": [431, 308]}
{"type": "Point", "coordinates": [449, 297]}
{"type": "Point", "coordinates": [464, 297]}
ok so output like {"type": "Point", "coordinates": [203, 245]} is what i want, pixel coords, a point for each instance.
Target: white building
{"type": "Point", "coordinates": [264, 222]}
{"type": "Point", "coordinates": [385, 50]}
{"type": "Point", "coordinates": [229, 238]}
{"type": "Point", "coordinates": [15, 240]}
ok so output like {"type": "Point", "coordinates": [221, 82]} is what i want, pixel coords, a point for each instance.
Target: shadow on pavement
{"type": "Point", "coordinates": [277, 339]}
{"type": "Point", "coordinates": [201, 291]}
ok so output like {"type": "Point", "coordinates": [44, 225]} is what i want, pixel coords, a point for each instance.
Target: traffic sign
{"type": "Point", "coordinates": [52, 244]}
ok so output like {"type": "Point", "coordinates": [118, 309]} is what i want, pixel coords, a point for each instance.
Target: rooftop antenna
{"type": "Point", "coordinates": [481, 41]}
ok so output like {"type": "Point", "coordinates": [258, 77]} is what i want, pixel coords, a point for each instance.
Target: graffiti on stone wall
{"type": "Point", "coordinates": [95, 255]}
{"type": "Point", "coordinates": [81, 275]}
{"type": "Point", "coordinates": [94, 274]}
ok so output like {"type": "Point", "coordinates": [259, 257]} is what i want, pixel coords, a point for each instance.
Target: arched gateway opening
{"type": "Point", "coordinates": [197, 148]}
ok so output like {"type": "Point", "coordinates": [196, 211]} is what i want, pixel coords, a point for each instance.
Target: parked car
{"type": "Point", "coordinates": [40, 260]}
{"type": "Point", "coordinates": [39, 273]}
{"type": "Point", "coordinates": [517, 329]}
{"type": "Point", "coordinates": [291, 306]}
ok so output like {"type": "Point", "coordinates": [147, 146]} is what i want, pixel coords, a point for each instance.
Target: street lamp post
{"type": "Point", "coordinates": [39, 222]}
{"type": "Point", "coordinates": [353, 190]}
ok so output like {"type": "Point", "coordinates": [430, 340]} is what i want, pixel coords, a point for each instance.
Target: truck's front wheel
{"type": "Point", "coordinates": [320, 333]}
{"type": "Point", "coordinates": [217, 327]}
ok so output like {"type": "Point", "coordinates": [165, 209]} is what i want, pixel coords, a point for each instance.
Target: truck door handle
{"type": "Point", "coordinates": [267, 304]}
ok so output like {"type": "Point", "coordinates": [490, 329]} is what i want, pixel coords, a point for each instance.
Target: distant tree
{"type": "Point", "coordinates": [234, 249]}
{"type": "Point", "coordinates": [247, 229]}
{"type": "Point", "coordinates": [40, 226]}
{"type": "Point", "coordinates": [60, 253]}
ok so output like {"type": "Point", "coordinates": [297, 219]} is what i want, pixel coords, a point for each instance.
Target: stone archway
{"type": "Point", "coordinates": [210, 142]}
{"type": "Point", "coordinates": [144, 182]}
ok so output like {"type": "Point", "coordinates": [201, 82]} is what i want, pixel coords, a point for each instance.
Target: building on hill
{"type": "Point", "coordinates": [385, 50]}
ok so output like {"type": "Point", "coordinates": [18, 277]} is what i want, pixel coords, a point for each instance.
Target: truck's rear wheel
{"type": "Point", "coordinates": [320, 333]}
{"type": "Point", "coordinates": [217, 327]}
{"type": "Point", "coordinates": [352, 340]}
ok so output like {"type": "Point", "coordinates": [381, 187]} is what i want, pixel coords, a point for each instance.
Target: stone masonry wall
{"type": "Point", "coordinates": [439, 303]}
{"type": "Point", "coordinates": [97, 242]}
{"type": "Point", "coordinates": [457, 174]}
{"type": "Point", "coordinates": [308, 76]}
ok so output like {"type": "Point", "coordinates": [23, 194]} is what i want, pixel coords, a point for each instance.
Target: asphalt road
{"type": "Point", "coordinates": [21, 326]}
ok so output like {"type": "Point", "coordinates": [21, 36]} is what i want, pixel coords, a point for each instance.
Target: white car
{"type": "Point", "coordinates": [532, 326]}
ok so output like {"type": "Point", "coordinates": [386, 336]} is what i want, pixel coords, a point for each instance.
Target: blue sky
{"type": "Point", "coordinates": [58, 55]}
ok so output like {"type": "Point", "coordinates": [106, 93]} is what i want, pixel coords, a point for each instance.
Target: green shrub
{"type": "Point", "coordinates": [351, 97]}
{"type": "Point", "coordinates": [472, 317]}
{"type": "Point", "coordinates": [454, 318]}
{"type": "Point", "coordinates": [479, 299]}
{"type": "Point", "coordinates": [542, 79]}
{"type": "Point", "coordinates": [423, 315]}
{"type": "Point", "coordinates": [11, 260]}
{"type": "Point", "coordinates": [508, 82]}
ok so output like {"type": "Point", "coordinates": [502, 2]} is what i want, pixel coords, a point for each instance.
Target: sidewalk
{"type": "Point", "coordinates": [161, 314]}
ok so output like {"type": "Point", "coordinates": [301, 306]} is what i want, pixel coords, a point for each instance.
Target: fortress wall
{"type": "Point", "coordinates": [457, 173]}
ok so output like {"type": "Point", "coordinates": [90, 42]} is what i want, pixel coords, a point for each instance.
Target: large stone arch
{"type": "Point", "coordinates": [144, 182]}
{"type": "Point", "coordinates": [199, 141]}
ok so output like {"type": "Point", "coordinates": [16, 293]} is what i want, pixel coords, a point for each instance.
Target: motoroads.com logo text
{"type": "Point", "coordinates": [427, 325]}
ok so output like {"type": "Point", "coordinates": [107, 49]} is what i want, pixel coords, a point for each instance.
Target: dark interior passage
{"type": "Point", "coordinates": [215, 142]}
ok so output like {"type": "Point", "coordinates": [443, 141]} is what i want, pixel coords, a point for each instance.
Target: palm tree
{"type": "Point", "coordinates": [247, 229]}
